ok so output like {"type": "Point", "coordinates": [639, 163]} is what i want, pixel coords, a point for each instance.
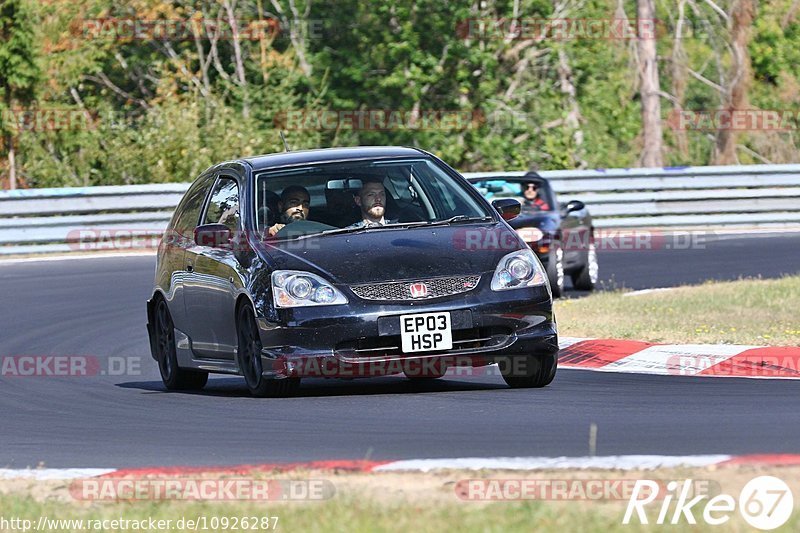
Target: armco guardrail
{"type": "Point", "coordinates": [73, 219]}
{"type": "Point", "coordinates": [753, 195]}
{"type": "Point", "coordinates": [56, 220]}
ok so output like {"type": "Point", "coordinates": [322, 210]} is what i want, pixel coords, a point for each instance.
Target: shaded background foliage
{"type": "Point", "coordinates": [159, 110]}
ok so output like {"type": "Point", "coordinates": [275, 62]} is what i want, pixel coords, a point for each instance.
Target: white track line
{"type": "Point", "coordinates": [43, 474]}
{"type": "Point", "coordinates": [611, 462]}
{"type": "Point", "coordinates": [621, 462]}
{"type": "Point", "coordinates": [71, 257]}
{"type": "Point", "coordinates": [649, 291]}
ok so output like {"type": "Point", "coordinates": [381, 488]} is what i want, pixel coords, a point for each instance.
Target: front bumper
{"type": "Point", "coordinates": [362, 338]}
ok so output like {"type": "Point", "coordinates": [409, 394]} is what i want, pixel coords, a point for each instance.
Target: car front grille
{"type": "Point", "coordinates": [401, 290]}
{"type": "Point", "coordinates": [389, 346]}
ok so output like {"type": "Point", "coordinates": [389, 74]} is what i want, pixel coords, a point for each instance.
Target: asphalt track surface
{"type": "Point", "coordinates": [95, 307]}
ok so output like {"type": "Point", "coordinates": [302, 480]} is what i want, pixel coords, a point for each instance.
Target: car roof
{"type": "Point", "coordinates": [327, 155]}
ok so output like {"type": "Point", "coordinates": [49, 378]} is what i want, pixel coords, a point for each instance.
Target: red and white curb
{"type": "Point", "coordinates": [611, 462]}
{"type": "Point", "coordinates": [704, 360]}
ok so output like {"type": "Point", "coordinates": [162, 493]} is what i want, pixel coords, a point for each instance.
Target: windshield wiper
{"type": "Point", "coordinates": [317, 234]}
{"type": "Point", "coordinates": [460, 218]}
{"type": "Point", "coordinates": [451, 220]}
{"type": "Point", "coordinates": [344, 230]}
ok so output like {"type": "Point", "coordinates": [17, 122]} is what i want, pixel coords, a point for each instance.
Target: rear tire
{"type": "Point", "coordinates": [249, 353]}
{"type": "Point", "coordinates": [534, 371]}
{"type": "Point", "coordinates": [586, 278]}
{"type": "Point", "coordinates": [173, 376]}
{"type": "Point", "coordinates": [555, 271]}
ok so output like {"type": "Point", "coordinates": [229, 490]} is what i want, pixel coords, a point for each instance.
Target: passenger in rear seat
{"type": "Point", "coordinates": [341, 208]}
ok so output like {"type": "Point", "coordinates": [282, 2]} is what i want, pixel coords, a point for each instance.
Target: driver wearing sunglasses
{"type": "Point", "coordinates": [530, 191]}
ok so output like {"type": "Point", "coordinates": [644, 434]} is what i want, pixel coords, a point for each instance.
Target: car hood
{"type": "Point", "coordinates": [396, 254]}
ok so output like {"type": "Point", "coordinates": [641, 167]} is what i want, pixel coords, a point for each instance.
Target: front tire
{"type": "Point", "coordinates": [173, 376]}
{"type": "Point", "coordinates": [532, 371]}
{"type": "Point", "coordinates": [249, 352]}
{"type": "Point", "coordinates": [555, 271]}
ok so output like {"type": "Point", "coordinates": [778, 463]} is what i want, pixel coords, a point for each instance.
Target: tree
{"type": "Point", "coordinates": [650, 90]}
{"type": "Point", "coordinates": [19, 72]}
{"type": "Point", "coordinates": [735, 93]}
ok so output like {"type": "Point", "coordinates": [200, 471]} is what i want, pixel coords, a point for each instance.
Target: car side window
{"type": "Point", "coordinates": [223, 206]}
{"type": "Point", "coordinates": [450, 197]}
{"type": "Point", "coordinates": [187, 214]}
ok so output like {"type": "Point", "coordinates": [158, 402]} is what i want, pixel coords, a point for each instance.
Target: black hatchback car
{"type": "Point", "coordinates": [561, 234]}
{"type": "Point", "coordinates": [346, 262]}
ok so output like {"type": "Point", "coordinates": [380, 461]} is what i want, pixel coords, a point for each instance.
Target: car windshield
{"type": "Point", "coordinates": [361, 195]}
{"type": "Point", "coordinates": [533, 193]}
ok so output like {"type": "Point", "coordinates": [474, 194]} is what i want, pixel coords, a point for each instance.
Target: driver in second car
{"type": "Point", "coordinates": [530, 191]}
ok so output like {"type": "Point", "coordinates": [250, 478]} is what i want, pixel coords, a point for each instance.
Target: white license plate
{"type": "Point", "coordinates": [426, 332]}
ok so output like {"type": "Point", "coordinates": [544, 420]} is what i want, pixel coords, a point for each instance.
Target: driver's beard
{"type": "Point", "coordinates": [377, 211]}
{"type": "Point", "coordinates": [295, 215]}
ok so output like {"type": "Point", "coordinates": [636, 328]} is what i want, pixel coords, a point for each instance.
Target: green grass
{"type": "Point", "coordinates": [752, 311]}
{"type": "Point", "coordinates": [365, 515]}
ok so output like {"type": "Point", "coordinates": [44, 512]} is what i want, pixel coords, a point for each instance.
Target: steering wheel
{"type": "Point", "coordinates": [299, 228]}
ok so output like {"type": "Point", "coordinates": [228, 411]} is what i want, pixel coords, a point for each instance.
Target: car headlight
{"type": "Point", "coordinates": [530, 235]}
{"type": "Point", "coordinates": [295, 288]}
{"type": "Point", "coordinates": [518, 269]}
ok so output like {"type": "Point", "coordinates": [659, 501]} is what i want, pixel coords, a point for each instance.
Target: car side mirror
{"type": "Point", "coordinates": [213, 235]}
{"type": "Point", "coordinates": [507, 207]}
{"type": "Point", "coordinates": [574, 205]}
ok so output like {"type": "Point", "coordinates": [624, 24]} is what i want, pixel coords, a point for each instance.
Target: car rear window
{"type": "Point", "coordinates": [187, 214]}
{"type": "Point", "coordinates": [223, 206]}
